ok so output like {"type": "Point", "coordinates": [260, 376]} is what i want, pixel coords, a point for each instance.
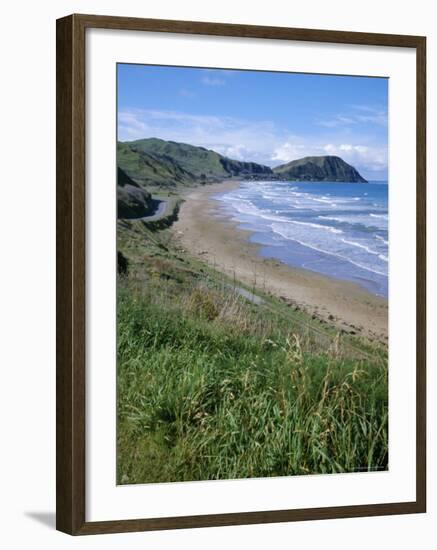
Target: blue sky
{"type": "Point", "coordinates": [266, 117]}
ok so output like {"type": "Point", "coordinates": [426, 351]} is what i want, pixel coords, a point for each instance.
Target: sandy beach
{"type": "Point", "coordinates": [206, 232]}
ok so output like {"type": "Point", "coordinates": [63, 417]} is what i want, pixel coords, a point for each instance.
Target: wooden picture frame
{"type": "Point", "coordinates": [71, 283]}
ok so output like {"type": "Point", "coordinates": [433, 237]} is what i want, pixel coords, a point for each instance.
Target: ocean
{"type": "Point", "coordinates": [336, 229]}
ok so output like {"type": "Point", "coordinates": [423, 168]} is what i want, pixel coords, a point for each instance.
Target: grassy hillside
{"type": "Point", "coordinates": [166, 163]}
{"type": "Point", "coordinates": [214, 386]}
{"type": "Point", "coordinates": [323, 168]}
{"type": "Point", "coordinates": [150, 171]}
{"type": "Point", "coordinates": [195, 160]}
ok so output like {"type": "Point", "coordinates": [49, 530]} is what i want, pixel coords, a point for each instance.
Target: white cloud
{"type": "Point", "coordinates": [184, 92]}
{"type": "Point", "coordinates": [238, 151]}
{"type": "Point", "coordinates": [227, 135]}
{"type": "Point", "coordinates": [130, 126]}
{"type": "Point", "coordinates": [259, 141]}
{"type": "Point", "coordinates": [358, 114]}
{"type": "Point", "coordinates": [212, 81]}
{"type": "Point", "coordinates": [290, 150]}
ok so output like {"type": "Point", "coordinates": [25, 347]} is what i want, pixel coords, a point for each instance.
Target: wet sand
{"type": "Point", "coordinates": [206, 232]}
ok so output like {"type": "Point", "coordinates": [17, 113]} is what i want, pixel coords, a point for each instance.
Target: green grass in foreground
{"type": "Point", "coordinates": [213, 387]}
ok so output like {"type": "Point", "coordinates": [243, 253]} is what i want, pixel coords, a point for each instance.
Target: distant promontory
{"type": "Point", "coordinates": [323, 168]}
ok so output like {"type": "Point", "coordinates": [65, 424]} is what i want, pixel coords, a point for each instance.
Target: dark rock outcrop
{"type": "Point", "coordinates": [132, 200]}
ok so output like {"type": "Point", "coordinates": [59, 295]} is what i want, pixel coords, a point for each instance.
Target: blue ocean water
{"type": "Point", "coordinates": [337, 229]}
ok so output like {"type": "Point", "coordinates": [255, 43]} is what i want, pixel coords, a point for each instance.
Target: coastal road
{"type": "Point", "coordinates": [159, 212]}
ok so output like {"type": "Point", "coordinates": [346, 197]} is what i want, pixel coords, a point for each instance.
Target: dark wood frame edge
{"type": "Point", "coordinates": [70, 274]}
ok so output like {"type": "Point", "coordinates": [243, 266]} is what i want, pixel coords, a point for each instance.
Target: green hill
{"type": "Point", "coordinates": [323, 168]}
{"type": "Point", "coordinates": [150, 170]}
{"type": "Point", "coordinates": [154, 162]}
{"type": "Point", "coordinates": [167, 163]}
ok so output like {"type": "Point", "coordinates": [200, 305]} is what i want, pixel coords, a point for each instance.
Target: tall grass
{"type": "Point", "coordinates": [212, 387]}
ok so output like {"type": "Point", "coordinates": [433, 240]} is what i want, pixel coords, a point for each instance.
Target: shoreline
{"type": "Point", "coordinates": [207, 233]}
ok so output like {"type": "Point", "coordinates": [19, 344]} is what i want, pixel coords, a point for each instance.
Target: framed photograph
{"type": "Point", "coordinates": [240, 274]}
